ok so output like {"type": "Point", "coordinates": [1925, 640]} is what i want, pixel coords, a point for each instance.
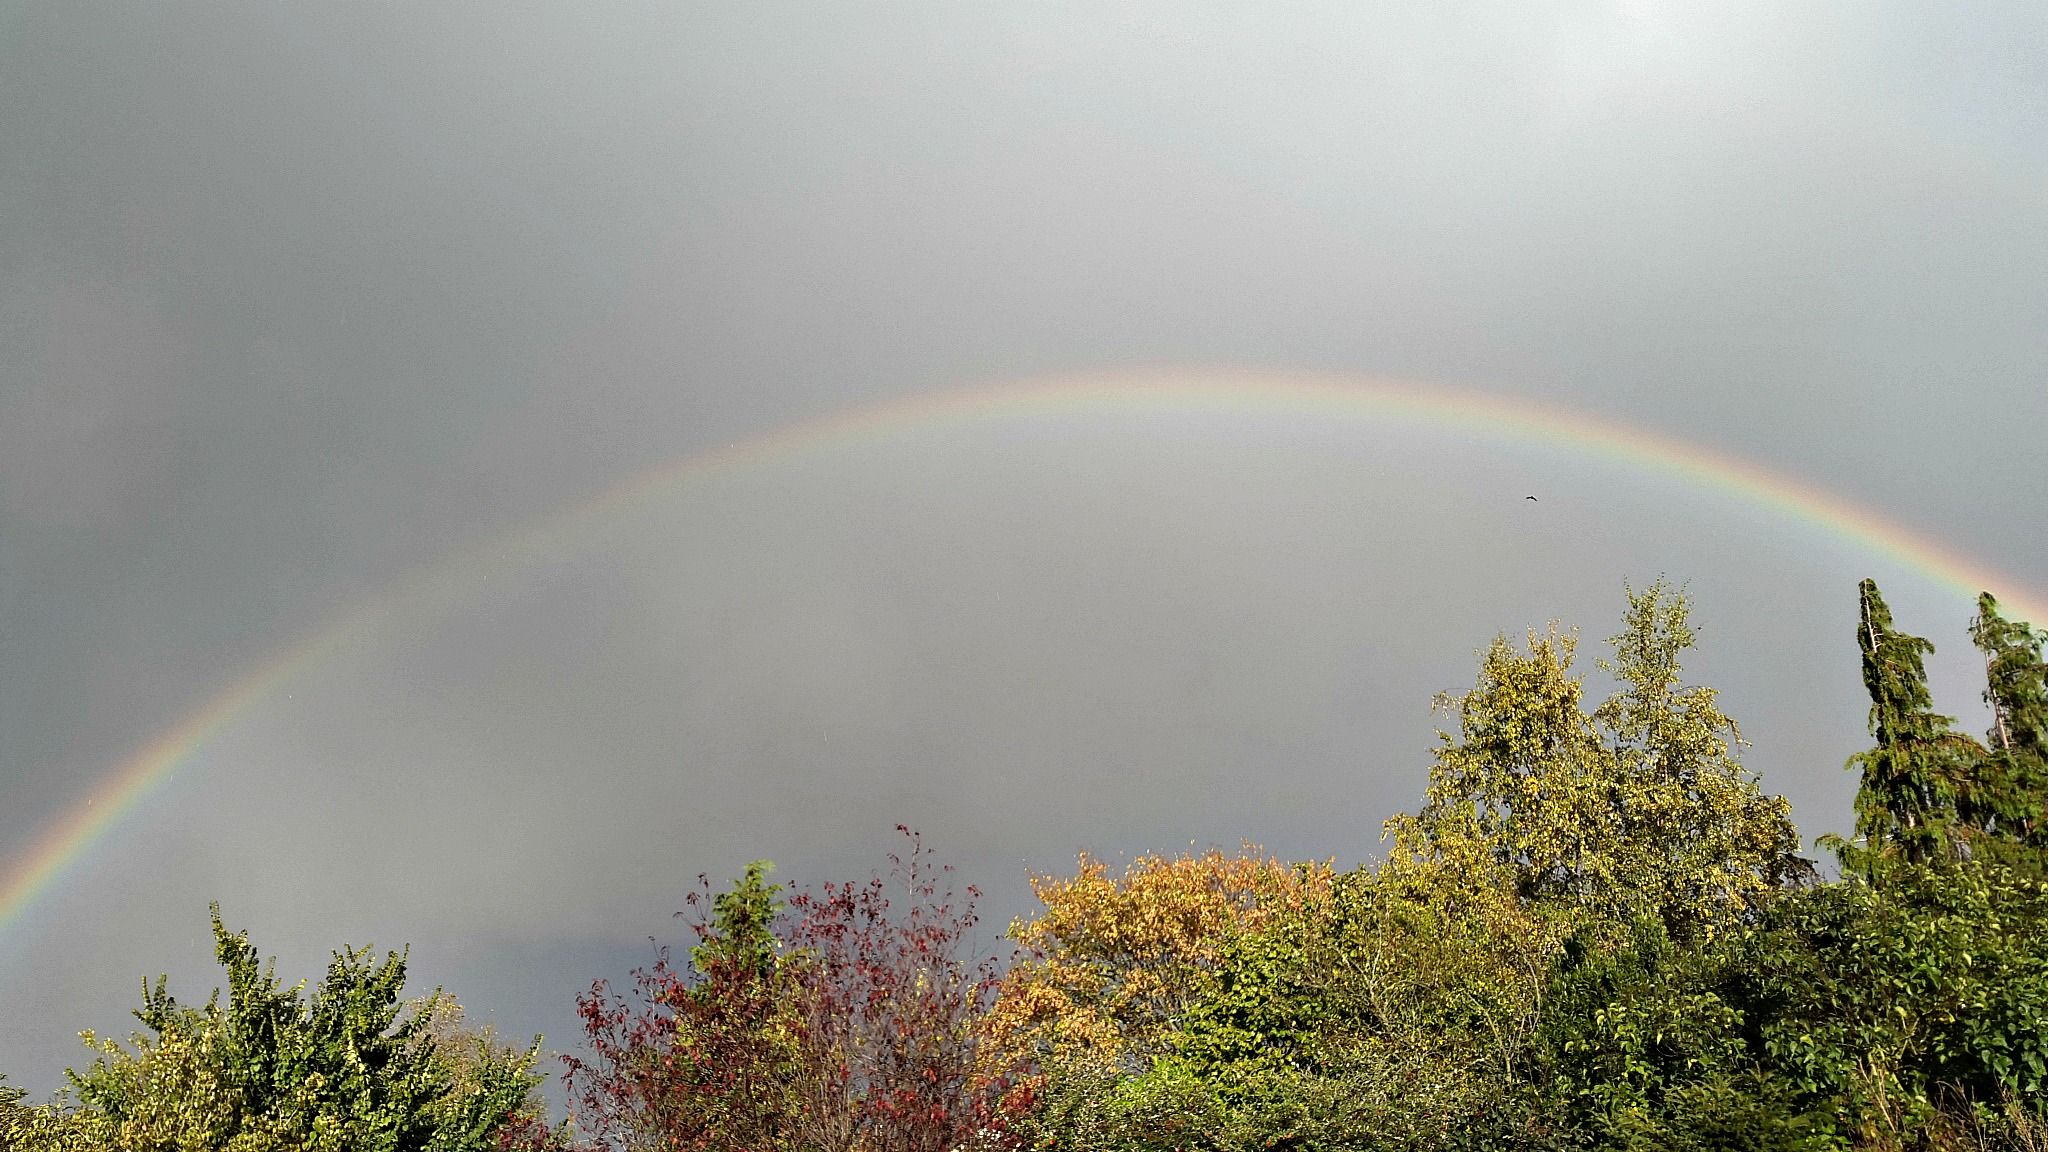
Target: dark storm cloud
{"type": "Point", "coordinates": [295, 299]}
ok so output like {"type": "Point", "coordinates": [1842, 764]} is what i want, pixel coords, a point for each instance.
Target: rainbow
{"type": "Point", "coordinates": [1222, 392]}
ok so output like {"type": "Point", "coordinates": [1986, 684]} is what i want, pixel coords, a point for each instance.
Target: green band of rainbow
{"type": "Point", "coordinates": [1225, 392]}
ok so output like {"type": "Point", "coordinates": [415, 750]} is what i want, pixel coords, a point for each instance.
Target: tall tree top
{"type": "Point", "coordinates": [2016, 679]}
{"type": "Point", "coordinates": [2014, 775]}
{"type": "Point", "coordinates": [1919, 788]}
{"type": "Point", "coordinates": [1636, 809]}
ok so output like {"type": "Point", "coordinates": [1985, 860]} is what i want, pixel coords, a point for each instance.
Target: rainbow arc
{"type": "Point", "coordinates": [1321, 396]}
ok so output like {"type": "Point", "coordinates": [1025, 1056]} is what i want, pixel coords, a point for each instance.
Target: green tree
{"type": "Point", "coordinates": [2014, 773]}
{"type": "Point", "coordinates": [1917, 781]}
{"type": "Point", "coordinates": [347, 1069]}
{"type": "Point", "coordinates": [1400, 1014]}
{"type": "Point", "coordinates": [742, 928]}
{"type": "Point", "coordinates": [1643, 1049]}
{"type": "Point", "coordinates": [1392, 1012]}
{"type": "Point", "coordinates": [475, 1056]}
{"type": "Point", "coordinates": [1911, 1010]}
{"type": "Point", "coordinates": [1638, 808]}
{"type": "Point", "coordinates": [1705, 841]}
{"type": "Point", "coordinates": [708, 1056]}
{"type": "Point", "coordinates": [1524, 784]}
{"type": "Point", "coordinates": [1411, 1007]}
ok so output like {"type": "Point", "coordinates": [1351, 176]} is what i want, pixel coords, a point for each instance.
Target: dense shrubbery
{"type": "Point", "coordinates": [1594, 933]}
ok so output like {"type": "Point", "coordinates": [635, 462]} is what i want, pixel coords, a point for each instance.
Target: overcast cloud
{"type": "Point", "coordinates": [296, 299]}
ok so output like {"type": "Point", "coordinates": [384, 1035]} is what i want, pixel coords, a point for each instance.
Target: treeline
{"type": "Point", "coordinates": [1595, 932]}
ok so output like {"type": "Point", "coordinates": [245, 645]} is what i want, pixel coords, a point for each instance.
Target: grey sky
{"type": "Point", "coordinates": [295, 299]}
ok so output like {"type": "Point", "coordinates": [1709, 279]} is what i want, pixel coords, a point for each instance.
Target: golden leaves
{"type": "Point", "coordinates": [1114, 959]}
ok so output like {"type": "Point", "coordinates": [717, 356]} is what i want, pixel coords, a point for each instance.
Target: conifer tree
{"type": "Point", "coordinates": [742, 928]}
{"type": "Point", "coordinates": [1917, 781]}
{"type": "Point", "coordinates": [2014, 774]}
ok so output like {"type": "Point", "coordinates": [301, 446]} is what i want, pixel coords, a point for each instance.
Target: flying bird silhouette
{"type": "Point", "coordinates": [1528, 498]}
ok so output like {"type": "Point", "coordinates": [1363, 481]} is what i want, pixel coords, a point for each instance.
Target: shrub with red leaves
{"type": "Point", "coordinates": [841, 1020]}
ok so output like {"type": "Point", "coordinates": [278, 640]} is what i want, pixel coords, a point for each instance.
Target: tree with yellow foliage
{"type": "Point", "coordinates": [1637, 808]}
{"type": "Point", "coordinates": [1213, 1001]}
{"type": "Point", "coordinates": [1115, 960]}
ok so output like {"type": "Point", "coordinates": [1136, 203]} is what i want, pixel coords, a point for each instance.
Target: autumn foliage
{"type": "Point", "coordinates": [841, 1018]}
{"type": "Point", "coordinates": [1594, 933]}
{"type": "Point", "coordinates": [1113, 961]}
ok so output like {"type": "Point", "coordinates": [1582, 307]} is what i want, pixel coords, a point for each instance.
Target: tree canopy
{"type": "Point", "coordinates": [1637, 807]}
{"type": "Point", "coordinates": [1594, 932]}
{"type": "Point", "coordinates": [346, 1069]}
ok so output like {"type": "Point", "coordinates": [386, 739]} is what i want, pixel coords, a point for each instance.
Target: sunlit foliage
{"type": "Point", "coordinates": [346, 1069]}
{"type": "Point", "coordinates": [13, 1113]}
{"type": "Point", "coordinates": [1636, 808]}
{"type": "Point", "coordinates": [1919, 782]}
{"type": "Point", "coordinates": [2012, 796]}
{"type": "Point", "coordinates": [1595, 932]}
{"type": "Point", "coordinates": [840, 1018]}
{"type": "Point", "coordinates": [1115, 960]}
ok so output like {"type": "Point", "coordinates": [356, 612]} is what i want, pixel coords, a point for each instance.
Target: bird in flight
{"type": "Point", "coordinates": [1528, 498]}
